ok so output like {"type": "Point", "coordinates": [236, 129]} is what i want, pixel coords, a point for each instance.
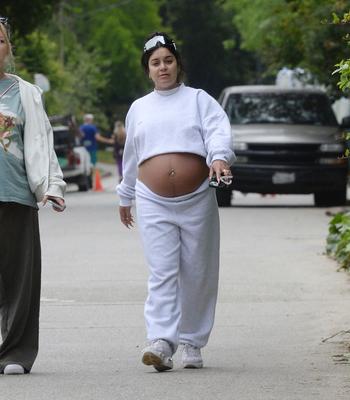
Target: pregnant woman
{"type": "Point", "coordinates": [177, 138]}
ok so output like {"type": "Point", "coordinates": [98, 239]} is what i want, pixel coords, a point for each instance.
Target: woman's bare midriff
{"type": "Point", "coordinates": [173, 174]}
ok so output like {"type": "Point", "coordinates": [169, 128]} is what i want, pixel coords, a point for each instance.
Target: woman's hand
{"type": "Point", "coordinates": [219, 167]}
{"type": "Point", "coordinates": [57, 200]}
{"type": "Point", "coordinates": [126, 217]}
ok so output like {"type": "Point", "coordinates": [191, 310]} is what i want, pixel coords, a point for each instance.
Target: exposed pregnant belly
{"type": "Point", "coordinates": [173, 174]}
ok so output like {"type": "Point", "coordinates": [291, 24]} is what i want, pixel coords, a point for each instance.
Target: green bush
{"type": "Point", "coordinates": [338, 239]}
{"type": "Point", "coordinates": [343, 67]}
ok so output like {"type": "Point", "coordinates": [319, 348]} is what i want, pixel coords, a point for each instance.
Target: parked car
{"type": "Point", "coordinates": [287, 141]}
{"type": "Point", "coordinates": [73, 158]}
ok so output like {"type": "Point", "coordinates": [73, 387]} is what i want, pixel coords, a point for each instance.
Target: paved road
{"type": "Point", "coordinates": [280, 297]}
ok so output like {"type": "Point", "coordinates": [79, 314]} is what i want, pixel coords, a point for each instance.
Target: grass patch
{"type": "Point", "coordinates": [105, 156]}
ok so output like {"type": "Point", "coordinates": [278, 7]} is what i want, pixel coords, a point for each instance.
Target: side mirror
{"type": "Point", "coordinates": [345, 123]}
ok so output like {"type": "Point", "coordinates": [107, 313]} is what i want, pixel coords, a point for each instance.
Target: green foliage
{"type": "Point", "coordinates": [79, 87]}
{"type": "Point", "coordinates": [35, 52]}
{"type": "Point", "coordinates": [118, 30]}
{"type": "Point", "coordinates": [291, 33]}
{"type": "Point", "coordinates": [209, 44]}
{"type": "Point", "coordinates": [90, 52]}
{"type": "Point", "coordinates": [338, 239]}
{"type": "Point", "coordinates": [24, 16]}
{"type": "Point", "coordinates": [343, 67]}
{"type": "Point", "coordinates": [90, 49]}
{"type": "Point", "coordinates": [344, 72]}
{"type": "Point", "coordinates": [70, 93]}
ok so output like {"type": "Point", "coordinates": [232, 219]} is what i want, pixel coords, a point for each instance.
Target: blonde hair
{"type": "Point", "coordinates": [119, 132]}
{"type": "Point", "coordinates": [9, 61]}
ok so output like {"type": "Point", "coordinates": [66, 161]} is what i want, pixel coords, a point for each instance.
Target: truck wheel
{"type": "Point", "coordinates": [83, 184]}
{"type": "Point", "coordinates": [223, 197]}
{"type": "Point", "coordinates": [330, 199]}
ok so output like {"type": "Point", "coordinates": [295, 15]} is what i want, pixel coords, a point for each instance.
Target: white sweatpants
{"type": "Point", "coordinates": [181, 243]}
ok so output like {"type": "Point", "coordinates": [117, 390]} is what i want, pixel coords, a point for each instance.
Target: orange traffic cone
{"type": "Point", "coordinates": [97, 181]}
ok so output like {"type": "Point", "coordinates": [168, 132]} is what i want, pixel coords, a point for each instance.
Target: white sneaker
{"type": "Point", "coordinates": [191, 356]}
{"type": "Point", "coordinates": [158, 353]}
{"type": "Point", "coordinates": [13, 369]}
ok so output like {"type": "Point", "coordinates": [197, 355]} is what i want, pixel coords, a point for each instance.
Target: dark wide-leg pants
{"type": "Point", "coordinates": [20, 281]}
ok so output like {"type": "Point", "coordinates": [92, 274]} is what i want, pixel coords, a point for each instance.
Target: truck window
{"type": "Point", "coordinates": [280, 108]}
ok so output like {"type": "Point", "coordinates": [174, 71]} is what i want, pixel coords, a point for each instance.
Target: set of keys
{"type": "Point", "coordinates": [225, 180]}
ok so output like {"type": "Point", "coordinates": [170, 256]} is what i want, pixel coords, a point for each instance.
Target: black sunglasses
{"type": "Point", "coordinates": [3, 20]}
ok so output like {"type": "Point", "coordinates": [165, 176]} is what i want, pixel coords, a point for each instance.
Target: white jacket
{"type": "Point", "coordinates": [43, 171]}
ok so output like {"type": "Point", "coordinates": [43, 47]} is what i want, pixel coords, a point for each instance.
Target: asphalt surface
{"type": "Point", "coordinates": [280, 302]}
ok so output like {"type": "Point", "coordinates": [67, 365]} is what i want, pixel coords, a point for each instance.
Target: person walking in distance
{"type": "Point", "coordinates": [90, 136]}
{"type": "Point", "coordinates": [177, 137]}
{"type": "Point", "coordinates": [29, 173]}
{"type": "Point", "coordinates": [118, 137]}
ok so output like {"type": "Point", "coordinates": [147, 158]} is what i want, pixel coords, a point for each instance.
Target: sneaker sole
{"type": "Point", "coordinates": [149, 358]}
{"type": "Point", "coordinates": [193, 366]}
{"type": "Point", "coordinates": [14, 370]}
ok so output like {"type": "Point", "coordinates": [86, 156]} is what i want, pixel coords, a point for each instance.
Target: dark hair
{"type": "Point", "coordinates": [170, 45]}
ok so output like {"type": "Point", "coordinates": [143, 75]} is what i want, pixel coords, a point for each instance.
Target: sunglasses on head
{"type": "Point", "coordinates": [153, 42]}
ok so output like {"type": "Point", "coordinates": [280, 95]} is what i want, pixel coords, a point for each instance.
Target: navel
{"type": "Point", "coordinates": [172, 172]}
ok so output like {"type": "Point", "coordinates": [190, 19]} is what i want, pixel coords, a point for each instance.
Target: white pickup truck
{"type": "Point", "coordinates": [73, 158]}
{"type": "Point", "coordinates": [286, 141]}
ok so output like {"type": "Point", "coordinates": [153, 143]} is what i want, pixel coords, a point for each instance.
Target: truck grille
{"type": "Point", "coordinates": [282, 153]}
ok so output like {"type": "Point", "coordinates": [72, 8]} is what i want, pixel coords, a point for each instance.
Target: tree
{"type": "Point", "coordinates": [24, 16]}
{"type": "Point", "coordinates": [117, 30]}
{"type": "Point", "coordinates": [291, 33]}
{"type": "Point", "coordinates": [90, 51]}
{"type": "Point", "coordinates": [209, 43]}
{"type": "Point", "coordinates": [69, 93]}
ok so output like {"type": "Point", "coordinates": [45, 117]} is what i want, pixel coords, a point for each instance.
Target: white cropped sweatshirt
{"type": "Point", "coordinates": [180, 120]}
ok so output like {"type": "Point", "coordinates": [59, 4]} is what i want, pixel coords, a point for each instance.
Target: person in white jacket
{"type": "Point", "coordinates": [29, 173]}
{"type": "Point", "coordinates": [177, 137]}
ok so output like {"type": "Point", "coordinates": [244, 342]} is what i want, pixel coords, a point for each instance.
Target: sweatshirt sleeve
{"type": "Point", "coordinates": [218, 139]}
{"type": "Point", "coordinates": [126, 189]}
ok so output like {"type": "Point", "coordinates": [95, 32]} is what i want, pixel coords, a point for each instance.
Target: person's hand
{"type": "Point", "coordinates": [57, 200]}
{"type": "Point", "coordinates": [219, 167]}
{"type": "Point", "coordinates": [126, 217]}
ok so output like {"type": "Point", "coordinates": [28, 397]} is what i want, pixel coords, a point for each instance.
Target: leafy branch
{"type": "Point", "coordinates": [343, 67]}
